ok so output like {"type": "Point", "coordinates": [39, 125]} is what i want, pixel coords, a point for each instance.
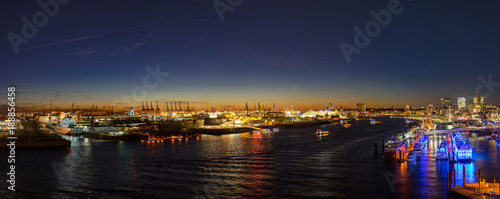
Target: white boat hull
{"type": "Point", "coordinates": [62, 130]}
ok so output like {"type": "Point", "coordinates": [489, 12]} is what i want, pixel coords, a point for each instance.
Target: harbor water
{"type": "Point", "coordinates": [291, 163]}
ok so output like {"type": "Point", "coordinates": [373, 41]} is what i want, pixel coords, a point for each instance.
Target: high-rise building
{"type": "Point", "coordinates": [132, 112]}
{"type": "Point", "coordinates": [479, 103]}
{"type": "Point", "coordinates": [361, 107]}
{"type": "Point", "coordinates": [461, 102]}
{"type": "Point", "coordinates": [445, 103]}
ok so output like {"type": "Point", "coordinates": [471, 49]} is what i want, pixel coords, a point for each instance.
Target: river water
{"type": "Point", "coordinates": [291, 163]}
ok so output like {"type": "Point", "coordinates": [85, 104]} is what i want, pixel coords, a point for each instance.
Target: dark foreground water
{"type": "Point", "coordinates": [292, 163]}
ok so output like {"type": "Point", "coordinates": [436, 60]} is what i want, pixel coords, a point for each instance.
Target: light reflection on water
{"type": "Point", "coordinates": [288, 163]}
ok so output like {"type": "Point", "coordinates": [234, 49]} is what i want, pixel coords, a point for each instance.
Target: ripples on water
{"type": "Point", "coordinates": [287, 164]}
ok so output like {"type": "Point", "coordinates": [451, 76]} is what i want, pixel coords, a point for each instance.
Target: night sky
{"type": "Point", "coordinates": [279, 52]}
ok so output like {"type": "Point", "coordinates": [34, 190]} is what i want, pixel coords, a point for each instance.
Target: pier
{"type": "Point", "coordinates": [474, 190]}
{"type": "Point", "coordinates": [477, 190]}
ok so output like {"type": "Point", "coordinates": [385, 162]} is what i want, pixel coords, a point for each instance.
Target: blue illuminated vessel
{"type": "Point", "coordinates": [426, 138]}
{"type": "Point", "coordinates": [462, 148]}
{"type": "Point", "coordinates": [418, 147]}
{"type": "Point", "coordinates": [442, 152]}
{"type": "Point", "coordinates": [372, 121]}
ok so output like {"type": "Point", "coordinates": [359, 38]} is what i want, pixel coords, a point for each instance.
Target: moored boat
{"type": "Point", "coordinates": [372, 121]}
{"type": "Point", "coordinates": [61, 129]}
{"type": "Point", "coordinates": [462, 148]}
{"type": "Point", "coordinates": [393, 150]}
{"type": "Point", "coordinates": [67, 126]}
{"type": "Point", "coordinates": [418, 147]}
{"type": "Point", "coordinates": [442, 152]}
{"type": "Point", "coordinates": [321, 132]}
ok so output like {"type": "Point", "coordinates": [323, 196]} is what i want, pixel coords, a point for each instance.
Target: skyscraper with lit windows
{"type": "Point", "coordinates": [445, 103]}
{"type": "Point", "coordinates": [461, 102]}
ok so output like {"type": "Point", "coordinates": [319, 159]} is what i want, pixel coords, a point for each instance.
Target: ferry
{"type": "Point", "coordinates": [67, 126]}
{"type": "Point", "coordinates": [63, 130]}
{"type": "Point", "coordinates": [442, 152]}
{"type": "Point", "coordinates": [372, 121]}
{"type": "Point", "coordinates": [321, 132]}
{"type": "Point", "coordinates": [462, 148]}
{"type": "Point", "coordinates": [393, 150]}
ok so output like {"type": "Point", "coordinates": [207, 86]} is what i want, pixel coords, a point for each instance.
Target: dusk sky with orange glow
{"type": "Point", "coordinates": [282, 52]}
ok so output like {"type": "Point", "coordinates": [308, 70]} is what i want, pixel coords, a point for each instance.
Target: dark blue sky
{"type": "Point", "coordinates": [271, 51]}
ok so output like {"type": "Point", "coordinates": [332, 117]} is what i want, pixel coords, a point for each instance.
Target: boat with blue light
{"type": "Point", "coordinates": [442, 152]}
{"type": "Point", "coordinates": [418, 147]}
{"type": "Point", "coordinates": [321, 132]}
{"type": "Point", "coordinates": [462, 148]}
{"type": "Point", "coordinates": [372, 121]}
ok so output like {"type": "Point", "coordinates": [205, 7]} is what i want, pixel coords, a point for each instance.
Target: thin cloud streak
{"type": "Point", "coordinates": [106, 33]}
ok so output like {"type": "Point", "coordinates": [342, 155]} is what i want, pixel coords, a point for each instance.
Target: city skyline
{"type": "Point", "coordinates": [461, 102]}
{"type": "Point", "coordinates": [87, 54]}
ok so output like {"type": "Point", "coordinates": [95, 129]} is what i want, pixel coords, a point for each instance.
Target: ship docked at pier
{"type": "Point", "coordinates": [395, 148]}
{"type": "Point", "coordinates": [461, 148]}
{"type": "Point", "coordinates": [442, 151]}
